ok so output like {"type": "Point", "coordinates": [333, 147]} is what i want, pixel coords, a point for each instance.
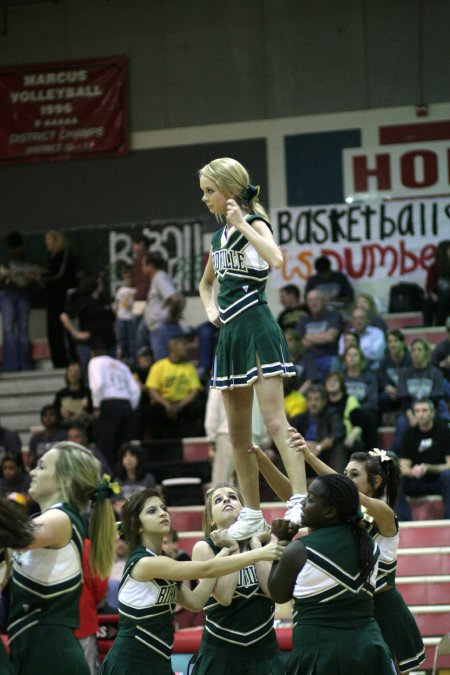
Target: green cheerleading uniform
{"type": "Point", "coordinates": [334, 629]}
{"type": "Point", "coordinates": [248, 329]}
{"type": "Point", "coordinates": [397, 624]}
{"type": "Point", "coordinates": [146, 632]}
{"type": "Point", "coordinates": [45, 597]}
{"type": "Point", "coordinates": [240, 639]}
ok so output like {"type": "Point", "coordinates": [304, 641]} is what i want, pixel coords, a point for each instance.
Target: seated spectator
{"type": "Point", "coordinates": [14, 477]}
{"type": "Point", "coordinates": [366, 302]}
{"type": "Point", "coordinates": [420, 380]}
{"type": "Point", "coordinates": [176, 408]}
{"type": "Point", "coordinates": [363, 385]}
{"type": "Point", "coordinates": [349, 339]}
{"type": "Point", "coordinates": [344, 404]}
{"type": "Point", "coordinates": [425, 459]}
{"type": "Point", "coordinates": [53, 432]}
{"type": "Point", "coordinates": [293, 309]}
{"type": "Point", "coordinates": [95, 319]}
{"type": "Point", "coordinates": [9, 442]}
{"type": "Point", "coordinates": [323, 428]}
{"type": "Point", "coordinates": [164, 305]}
{"type": "Point", "coordinates": [397, 357]}
{"type": "Point", "coordinates": [440, 357]}
{"type": "Point", "coordinates": [372, 342]}
{"type": "Point", "coordinates": [115, 397]}
{"type": "Point", "coordinates": [319, 331]}
{"type": "Point", "coordinates": [77, 433]}
{"type": "Point", "coordinates": [334, 286]}
{"type": "Point", "coordinates": [131, 474]}
{"type": "Point", "coordinates": [73, 402]}
{"type": "Point", "coordinates": [437, 303]}
{"type": "Point", "coordinates": [306, 370]}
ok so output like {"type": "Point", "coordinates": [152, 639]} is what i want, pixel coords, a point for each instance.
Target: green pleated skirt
{"type": "Point", "coordinates": [351, 650]}
{"type": "Point", "coordinates": [128, 656]}
{"type": "Point", "coordinates": [217, 658]}
{"type": "Point", "coordinates": [250, 335]}
{"type": "Point", "coordinates": [399, 629]}
{"type": "Point", "coordinates": [48, 650]}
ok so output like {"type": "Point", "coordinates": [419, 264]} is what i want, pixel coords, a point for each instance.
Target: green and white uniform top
{"type": "Point", "coordinates": [46, 582]}
{"type": "Point", "coordinates": [330, 587]}
{"type": "Point", "coordinates": [387, 564]}
{"type": "Point", "coordinates": [146, 607]}
{"type": "Point", "coordinates": [242, 273]}
{"type": "Point", "coordinates": [248, 619]}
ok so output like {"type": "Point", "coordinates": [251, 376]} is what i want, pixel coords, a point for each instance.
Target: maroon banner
{"type": "Point", "coordinates": [60, 111]}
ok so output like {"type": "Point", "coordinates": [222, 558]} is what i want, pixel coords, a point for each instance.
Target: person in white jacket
{"type": "Point", "coordinates": [115, 397]}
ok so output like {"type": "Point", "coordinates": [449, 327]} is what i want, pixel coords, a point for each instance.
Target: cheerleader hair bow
{"type": "Point", "coordinates": [105, 489]}
{"type": "Point", "coordinates": [381, 454]}
{"type": "Point", "coordinates": [251, 192]}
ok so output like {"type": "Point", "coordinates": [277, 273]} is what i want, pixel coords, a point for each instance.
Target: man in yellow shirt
{"type": "Point", "coordinates": [176, 404]}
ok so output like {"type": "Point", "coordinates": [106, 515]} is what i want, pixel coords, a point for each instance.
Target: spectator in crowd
{"type": "Point", "coordinates": [17, 277]}
{"type": "Point", "coordinates": [425, 459]}
{"type": "Point", "coordinates": [115, 397]}
{"type": "Point", "coordinates": [437, 303]}
{"type": "Point", "coordinates": [141, 282]}
{"type": "Point", "coordinates": [60, 278]}
{"type": "Point", "coordinates": [92, 594]}
{"type": "Point", "coordinates": [293, 309]}
{"type": "Point", "coordinates": [320, 330]}
{"type": "Point", "coordinates": [334, 286]}
{"type": "Point", "coordinates": [73, 402]}
{"type": "Point", "coordinates": [344, 404]}
{"type": "Point", "coordinates": [306, 370]}
{"type": "Point", "coordinates": [372, 342]}
{"type": "Point", "coordinates": [349, 339]}
{"type": "Point", "coordinates": [323, 428]}
{"type": "Point", "coordinates": [418, 381]}
{"type": "Point", "coordinates": [440, 357]}
{"type": "Point", "coordinates": [366, 302]}
{"type": "Point", "coordinates": [397, 357]}
{"type": "Point", "coordinates": [77, 433]}
{"type": "Point", "coordinates": [95, 319]}
{"type": "Point", "coordinates": [176, 408]}
{"type": "Point", "coordinates": [9, 442]}
{"type": "Point", "coordinates": [131, 474]}
{"type": "Point", "coordinates": [52, 433]}
{"type": "Point", "coordinates": [164, 305]}
{"type": "Point", "coordinates": [125, 322]}
{"type": "Point", "coordinates": [14, 477]}
{"type": "Point", "coordinates": [363, 385]}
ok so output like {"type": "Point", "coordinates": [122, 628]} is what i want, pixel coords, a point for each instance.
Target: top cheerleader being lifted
{"type": "Point", "coordinates": [251, 352]}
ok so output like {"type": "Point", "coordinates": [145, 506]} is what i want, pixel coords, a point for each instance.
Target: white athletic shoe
{"type": "Point", "coordinates": [250, 522]}
{"type": "Point", "coordinates": [294, 510]}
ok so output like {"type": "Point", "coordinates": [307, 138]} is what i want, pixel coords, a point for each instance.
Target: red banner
{"type": "Point", "coordinates": [60, 111]}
